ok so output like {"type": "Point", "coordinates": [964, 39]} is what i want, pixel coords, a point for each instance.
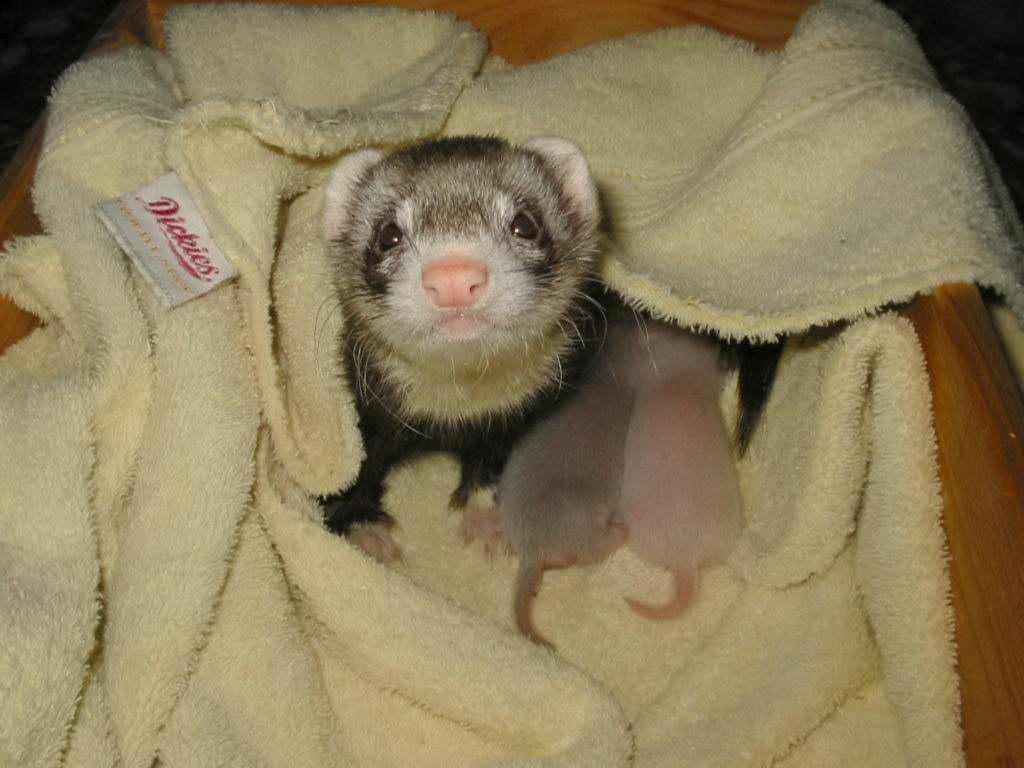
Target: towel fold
{"type": "Point", "coordinates": [170, 593]}
{"type": "Point", "coordinates": [760, 193]}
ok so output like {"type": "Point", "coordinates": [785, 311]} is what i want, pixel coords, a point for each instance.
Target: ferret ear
{"type": "Point", "coordinates": [338, 194]}
{"type": "Point", "coordinates": [567, 160]}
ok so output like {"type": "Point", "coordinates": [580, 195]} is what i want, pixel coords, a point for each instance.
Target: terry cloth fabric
{"type": "Point", "coordinates": [168, 591]}
{"type": "Point", "coordinates": [763, 194]}
{"type": "Point", "coordinates": [1012, 335]}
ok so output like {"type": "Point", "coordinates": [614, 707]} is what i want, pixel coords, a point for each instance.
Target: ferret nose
{"type": "Point", "coordinates": [455, 282]}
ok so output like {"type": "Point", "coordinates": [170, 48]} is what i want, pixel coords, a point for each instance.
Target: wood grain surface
{"type": "Point", "coordinates": [979, 413]}
{"type": "Point", "coordinates": [17, 217]}
{"type": "Point", "coordinates": [126, 26]}
{"type": "Point", "coordinates": [521, 31]}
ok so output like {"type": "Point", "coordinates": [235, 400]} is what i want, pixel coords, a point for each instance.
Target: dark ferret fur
{"type": "Point", "coordinates": [543, 326]}
{"type": "Point", "coordinates": [461, 193]}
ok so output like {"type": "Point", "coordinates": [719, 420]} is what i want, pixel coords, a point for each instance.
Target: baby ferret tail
{"type": "Point", "coordinates": [528, 579]}
{"type": "Point", "coordinates": [684, 583]}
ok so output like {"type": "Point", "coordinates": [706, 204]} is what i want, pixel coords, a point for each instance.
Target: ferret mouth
{"type": "Point", "coordinates": [463, 326]}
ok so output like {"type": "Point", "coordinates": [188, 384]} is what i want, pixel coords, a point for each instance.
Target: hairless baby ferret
{"type": "Point", "coordinates": [680, 495]}
{"type": "Point", "coordinates": [557, 499]}
{"type": "Point", "coordinates": [640, 453]}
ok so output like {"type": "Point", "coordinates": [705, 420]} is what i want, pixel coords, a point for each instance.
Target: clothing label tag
{"type": "Point", "coordinates": [160, 229]}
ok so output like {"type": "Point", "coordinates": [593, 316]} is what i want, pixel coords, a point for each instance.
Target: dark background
{"type": "Point", "coordinates": [976, 48]}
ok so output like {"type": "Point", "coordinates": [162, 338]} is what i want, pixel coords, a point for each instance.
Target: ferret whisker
{"type": "Point", "coordinates": [361, 373]}
{"type": "Point", "coordinates": [320, 309]}
{"type": "Point", "coordinates": [576, 329]}
{"type": "Point", "coordinates": [486, 366]}
{"type": "Point", "coordinates": [318, 333]}
{"type": "Point", "coordinates": [594, 302]}
{"type": "Point", "coordinates": [561, 373]}
{"type": "Point", "coordinates": [645, 334]}
{"type": "Point", "coordinates": [475, 393]}
{"type": "Point", "coordinates": [356, 375]}
{"type": "Point", "coordinates": [360, 356]}
{"type": "Point", "coordinates": [394, 415]}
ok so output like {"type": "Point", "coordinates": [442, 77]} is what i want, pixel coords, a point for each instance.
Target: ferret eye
{"type": "Point", "coordinates": [390, 236]}
{"type": "Point", "coordinates": [524, 226]}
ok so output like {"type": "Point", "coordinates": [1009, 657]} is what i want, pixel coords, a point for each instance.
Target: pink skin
{"type": "Point", "coordinates": [455, 282]}
{"type": "Point", "coordinates": [602, 539]}
{"type": "Point", "coordinates": [639, 455]}
{"type": "Point", "coordinates": [555, 510]}
{"type": "Point", "coordinates": [680, 495]}
{"type": "Point", "coordinates": [376, 541]}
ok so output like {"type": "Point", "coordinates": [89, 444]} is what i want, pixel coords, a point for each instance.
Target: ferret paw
{"type": "Point", "coordinates": [482, 522]}
{"type": "Point", "coordinates": [375, 539]}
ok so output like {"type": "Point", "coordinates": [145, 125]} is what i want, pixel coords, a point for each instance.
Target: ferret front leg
{"type": "Point", "coordinates": [481, 468]}
{"type": "Point", "coordinates": [357, 513]}
{"type": "Point", "coordinates": [359, 505]}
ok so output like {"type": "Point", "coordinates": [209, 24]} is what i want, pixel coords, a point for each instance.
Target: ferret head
{"type": "Point", "coordinates": [458, 248]}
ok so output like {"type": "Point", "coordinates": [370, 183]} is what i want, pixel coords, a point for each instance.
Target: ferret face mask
{"type": "Point", "coordinates": [458, 248]}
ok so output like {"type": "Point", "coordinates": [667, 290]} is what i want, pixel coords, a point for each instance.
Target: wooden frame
{"type": "Point", "coordinates": [979, 415]}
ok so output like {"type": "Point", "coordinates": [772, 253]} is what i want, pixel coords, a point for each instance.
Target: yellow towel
{"type": "Point", "coordinates": [172, 595]}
